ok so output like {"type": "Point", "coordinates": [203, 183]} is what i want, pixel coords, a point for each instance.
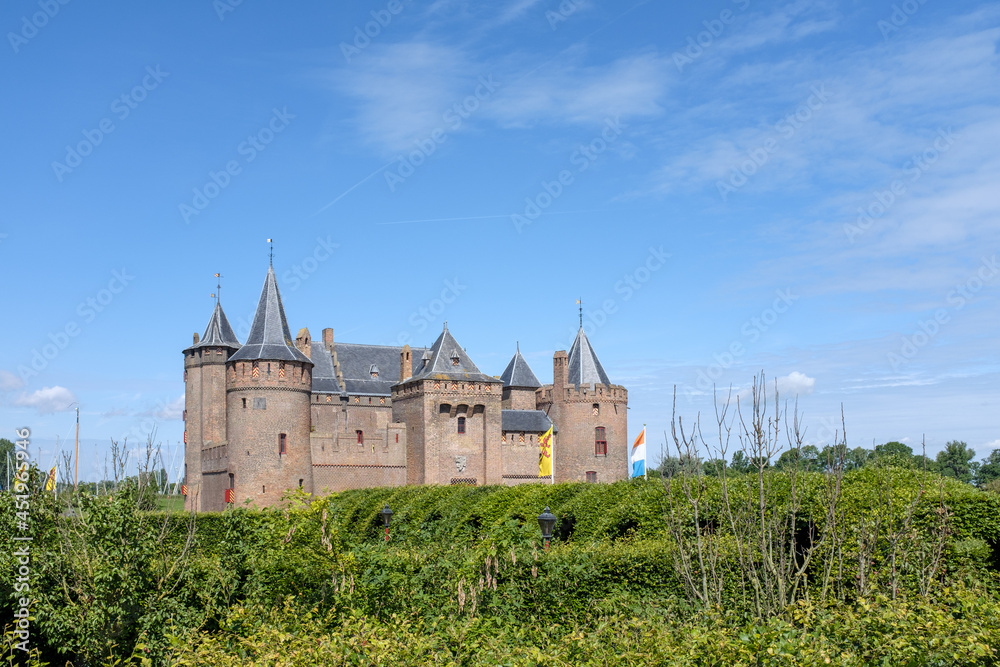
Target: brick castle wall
{"type": "Point", "coordinates": [260, 409]}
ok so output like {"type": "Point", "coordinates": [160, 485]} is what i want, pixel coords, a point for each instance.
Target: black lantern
{"type": "Point", "coordinates": [546, 521]}
{"type": "Point", "coordinates": [386, 514]}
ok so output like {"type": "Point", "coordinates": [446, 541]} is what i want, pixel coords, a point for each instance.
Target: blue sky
{"type": "Point", "coordinates": [801, 188]}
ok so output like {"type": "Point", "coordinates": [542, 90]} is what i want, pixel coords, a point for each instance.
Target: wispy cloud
{"type": "Point", "coordinates": [9, 381]}
{"type": "Point", "coordinates": [48, 400]}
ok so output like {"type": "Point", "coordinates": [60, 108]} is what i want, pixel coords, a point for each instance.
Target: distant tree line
{"type": "Point", "coordinates": [956, 460]}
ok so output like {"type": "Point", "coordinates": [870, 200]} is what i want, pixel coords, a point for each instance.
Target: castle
{"type": "Point", "coordinates": [274, 414]}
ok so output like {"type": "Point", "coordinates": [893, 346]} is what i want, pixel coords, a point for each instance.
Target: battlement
{"type": "Point", "coordinates": [288, 375]}
{"type": "Point", "coordinates": [583, 394]}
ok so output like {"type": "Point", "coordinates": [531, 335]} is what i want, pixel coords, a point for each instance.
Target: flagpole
{"type": "Point", "coordinates": [76, 456]}
{"type": "Point", "coordinates": [552, 449]}
{"type": "Point", "coordinates": [645, 466]}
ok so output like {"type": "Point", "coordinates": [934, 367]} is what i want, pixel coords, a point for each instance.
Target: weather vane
{"type": "Point", "coordinates": [271, 241]}
{"type": "Point", "coordinates": [218, 288]}
{"type": "Point", "coordinates": [580, 302]}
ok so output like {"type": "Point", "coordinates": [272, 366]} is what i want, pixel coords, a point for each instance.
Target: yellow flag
{"type": "Point", "coordinates": [545, 454]}
{"type": "Point", "coordinates": [50, 483]}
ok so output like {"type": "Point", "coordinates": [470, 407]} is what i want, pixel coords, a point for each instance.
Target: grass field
{"type": "Point", "coordinates": [170, 503]}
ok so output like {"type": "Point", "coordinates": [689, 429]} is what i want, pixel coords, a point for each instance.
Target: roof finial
{"type": "Point", "coordinates": [218, 288]}
{"type": "Point", "coordinates": [580, 302]}
{"type": "Point", "coordinates": [271, 241]}
{"type": "Point", "coordinates": [518, 343]}
{"type": "Point", "coordinates": [446, 325]}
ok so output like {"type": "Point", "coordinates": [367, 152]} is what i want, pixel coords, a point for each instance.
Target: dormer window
{"type": "Point", "coordinates": [455, 358]}
{"type": "Point", "coordinates": [373, 371]}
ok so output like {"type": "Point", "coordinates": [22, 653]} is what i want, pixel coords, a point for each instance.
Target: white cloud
{"type": "Point", "coordinates": [403, 92]}
{"type": "Point", "coordinates": [48, 399]}
{"type": "Point", "coordinates": [9, 381]}
{"type": "Point", "coordinates": [172, 410]}
{"type": "Point", "coordinates": [989, 447]}
{"type": "Point", "coordinates": [796, 384]}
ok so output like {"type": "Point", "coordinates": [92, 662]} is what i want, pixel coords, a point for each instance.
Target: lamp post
{"type": "Point", "coordinates": [386, 518]}
{"type": "Point", "coordinates": [546, 521]}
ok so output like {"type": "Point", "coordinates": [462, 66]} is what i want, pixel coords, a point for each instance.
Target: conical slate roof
{"type": "Point", "coordinates": [449, 361]}
{"type": "Point", "coordinates": [270, 337]}
{"type": "Point", "coordinates": [518, 374]}
{"type": "Point", "coordinates": [584, 366]}
{"type": "Point", "coordinates": [218, 333]}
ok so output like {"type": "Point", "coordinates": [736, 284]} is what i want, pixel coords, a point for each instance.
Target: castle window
{"type": "Point", "coordinates": [263, 488]}
{"type": "Point", "coordinates": [361, 437]}
{"type": "Point", "coordinates": [444, 409]}
{"type": "Point", "coordinates": [369, 400]}
{"type": "Point", "coordinates": [232, 480]}
{"type": "Point", "coordinates": [503, 437]}
{"type": "Point", "coordinates": [244, 404]}
{"type": "Point", "coordinates": [520, 438]}
{"type": "Point", "coordinates": [260, 403]}
{"type": "Point", "coordinates": [373, 370]}
{"type": "Point", "coordinates": [397, 437]}
{"type": "Point", "coordinates": [381, 400]}
{"type": "Point", "coordinates": [461, 424]}
{"type": "Point", "coordinates": [592, 476]}
{"type": "Point", "coordinates": [185, 376]}
{"type": "Point", "coordinates": [300, 483]}
{"type": "Point", "coordinates": [357, 399]}
{"type": "Point", "coordinates": [600, 442]}
{"type": "Point", "coordinates": [437, 385]}
{"type": "Point", "coordinates": [454, 358]}
{"type": "Point", "coordinates": [218, 350]}
{"type": "Point", "coordinates": [281, 370]}
{"type": "Point", "coordinates": [255, 370]}
{"type": "Point", "coordinates": [329, 398]}
{"type": "Point", "coordinates": [282, 444]}
{"type": "Point", "coordinates": [597, 409]}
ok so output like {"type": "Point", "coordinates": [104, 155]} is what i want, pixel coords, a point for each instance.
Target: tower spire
{"type": "Point", "coordinates": [218, 288]}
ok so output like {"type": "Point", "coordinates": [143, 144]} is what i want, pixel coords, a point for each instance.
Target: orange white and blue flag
{"type": "Point", "coordinates": [639, 454]}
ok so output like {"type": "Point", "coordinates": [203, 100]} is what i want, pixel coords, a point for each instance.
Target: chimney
{"type": "Point", "coordinates": [560, 362]}
{"type": "Point", "coordinates": [328, 338]}
{"type": "Point", "coordinates": [195, 337]}
{"type": "Point", "coordinates": [405, 364]}
{"type": "Point", "coordinates": [304, 342]}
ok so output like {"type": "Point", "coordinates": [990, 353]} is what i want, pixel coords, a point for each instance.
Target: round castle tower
{"type": "Point", "coordinates": [205, 409]}
{"type": "Point", "coordinates": [268, 386]}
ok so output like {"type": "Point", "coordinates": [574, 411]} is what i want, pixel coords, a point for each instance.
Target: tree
{"type": "Point", "coordinates": [6, 449]}
{"type": "Point", "coordinates": [989, 469]}
{"type": "Point", "coordinates": [806, 458]}
{"type": "Point", "coordinates": [955, 460]}
{"type": "Point", "coordinates": [894, 448]}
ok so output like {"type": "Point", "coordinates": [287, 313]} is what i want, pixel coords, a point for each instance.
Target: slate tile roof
{"type": "Point", "coordinates": [584, 367]}
{"type": "Point", "coordinates": [269, 335]}
{"type": "Point", "coordinates": [356, 362]}
{"type": "Point", "coordinates": [518, 373]}
{"type": "Point", "coordinates": [218, 333]}
{"type": "Point", "coordinates": [528, 421]}
{"type": "Point", "coordinates": [448, 361]}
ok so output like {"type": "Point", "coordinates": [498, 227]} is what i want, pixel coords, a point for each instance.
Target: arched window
{"type": "Point", "coordinates": [600, 442]}
{"type": "Point", "coordinates": [361, 437]}
{"type": "Point", "coordinates": [282, 444]}
{"type": "Point", "coordinates": [597, 409]}
{"type": "Point", "coordinates": [461, 424]}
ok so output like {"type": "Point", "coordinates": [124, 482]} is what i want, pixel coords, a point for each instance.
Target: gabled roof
{"type": "Point", "coordinates": [269, 335]}
{"type": "Point", "coordinates": [518, 373]}
{"type": "Point", "coordinates": [448, 361]}
{"type": "Point", "coordinates": [356, 362]}
{"type": "Point", "coordinates": [528, 421]}
{"type": "Point", "coordinates": [584, 367]}
{"type": "Point", "coordinates": [218, 333]}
